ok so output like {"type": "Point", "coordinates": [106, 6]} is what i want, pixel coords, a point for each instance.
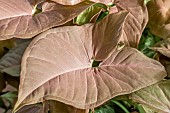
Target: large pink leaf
{"type": "Point", "coordinates": [135, 22]}
{"type": "Point", "coordinates": [17, 20]}
{"type": "Point", "coordinates": [57, 65]}
{"type": "Point", "coordinates": [159, 17]}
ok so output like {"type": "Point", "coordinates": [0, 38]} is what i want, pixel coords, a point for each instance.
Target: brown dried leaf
{"type": "Point", "coordinates": [159, 17]}
{"type": "Point", "coordinates": [18, 21]}
{"type": "Point", "coordinates": [57, 65]}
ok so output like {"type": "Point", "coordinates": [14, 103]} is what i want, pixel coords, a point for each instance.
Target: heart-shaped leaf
{"type": "Point", "coordinates": [57, 65]}
{"type": "Point", "coordinates": [156, 97]}
{"type": "Point", "coordinates": [17, 18]}
{"type": "Point", "coordinates": [159, 17]}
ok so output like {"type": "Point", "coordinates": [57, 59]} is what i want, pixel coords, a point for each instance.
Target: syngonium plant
{"type": "Point", "coordinates": [83, 53]}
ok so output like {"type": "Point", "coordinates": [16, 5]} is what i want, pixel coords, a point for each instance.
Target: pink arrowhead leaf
{"type": "Point", "coordinates": [17, 19]}
{"type": "Point", "coordinates": [159, 17]}
{"type": "Point", "coordinates": [59, 65]}
{"type": "Point", "coordinates": [135, 22]}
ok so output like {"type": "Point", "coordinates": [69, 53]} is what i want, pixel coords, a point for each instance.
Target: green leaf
{"type": "Point", "coordinates": [13, 71]}
{"type": "Point", "coordinates": [102, 15]}
{"type": "Point", "coordinates": [105, 109]}
{"type": "Point", "coordinates": [148, 40]}
{"type": "Point", "coordinates": [156, 97]}
{"type": "Point", "coordinates": [9, 96]}
{"type": "Point", "coordinates": [120, 105]}
{"type": "Point", "coordinates": [87, 15]}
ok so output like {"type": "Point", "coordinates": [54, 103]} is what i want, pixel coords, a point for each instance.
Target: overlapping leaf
{"type": "Point", "coordinates": [166, 62]}
{"type": "Point", "coordinates": [58, 107]}
{"type": "Point", "coordinates": [155, 97]}
{"type": "Point", "coordinates": [10, 64]}
{"type": "Point", "coordinates": [73, 2]}
{"type": "Point", "coordinates": [90, 13]}
{"type": "Point", "coordinates": [32, 109]}
{"type": "Point", "coordinates": [5, 45]}
{"type": "Point", "coordinates": [57, 65]}
{"type": "Point", "coordinates": [12, 59]}
{"type": "Point", "coordinates": [163, 47]}
{"type": "Point", "coordinates": [148, 40]}
{"type": "Point", "coordinates": [135, 22]}
{"type": "Point", "coordinates": [159, 17]}
{"type": "Point", "coordinates": [17, 19]}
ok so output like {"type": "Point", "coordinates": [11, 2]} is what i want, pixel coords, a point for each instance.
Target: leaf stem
{"type": "Point", "coordinates": [120, 105]}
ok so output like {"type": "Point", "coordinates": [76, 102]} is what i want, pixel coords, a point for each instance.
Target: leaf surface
{"type": "Point", "coordinates": [159, 17]}
{"type": "Point", "coordinates": [156, 96]}
{"type": "Point", "coordinates": [57, 65]}
{"type": "Point", "coordinates": [17, 19]}
{"type": "Point", "coordinates": [146, 42]}
{"type": "Point", "coordinates": [58, 107]}
{"type": "Point", "coordinates": [135, 21]}
{"type": "Point", "coordinates": [31, 109]}
{"type": "Point", "coordinates": [163, 47]}
{"type": "Point", "coordinates": [166, 63]}
{"type": "Point", "coordinates": [13, 58]}
{"type": "Point", "coordinates": [73, 2]}
{"type": "Point", "coordinates": [5, 45]}
{"type": "Point", "coordinates": [90, 13]}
